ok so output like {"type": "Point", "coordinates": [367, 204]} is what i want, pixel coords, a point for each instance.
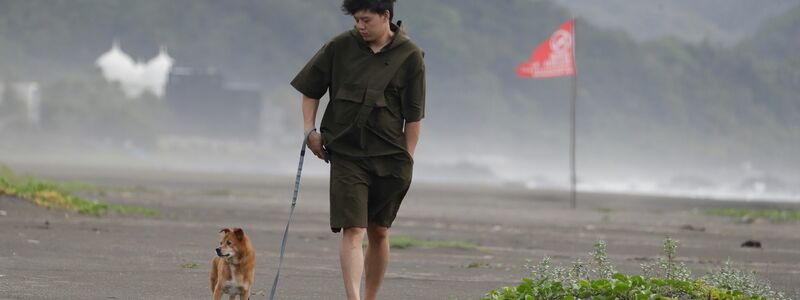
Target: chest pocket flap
{"type": "Point", "coordinates": [359, 94]}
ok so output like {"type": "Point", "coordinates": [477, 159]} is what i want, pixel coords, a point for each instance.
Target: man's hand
{"type": "Point", "coordinates": [315, 145]}
{"type": "Point", "coordinates": [412, 131]}
{"type": "Point", "coordinates": [310, 106]}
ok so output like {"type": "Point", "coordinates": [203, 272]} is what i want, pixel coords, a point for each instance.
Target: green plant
{"type": "Point", "coordinates": [57, 195]}
{"type": "Point", "coordinates": [603, 268]}
{"type": "Point", "coordinates": [670, 280]}
{"type": "Point", "coordinates": [728, 278]}
{"type": "Point", "coordinates": [667, 266]}
{"type": "Point", "coordinates": [606, 210]}
{"type": "Point", "coordinates": [772, 215]}
{"type": "Point", "coordinates": [190, 265]}
{"type": "Point", "coordinates": [401, 242]}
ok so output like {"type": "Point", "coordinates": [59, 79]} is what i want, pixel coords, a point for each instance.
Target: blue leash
{"type": "Point", "coordinates": [291, 211]}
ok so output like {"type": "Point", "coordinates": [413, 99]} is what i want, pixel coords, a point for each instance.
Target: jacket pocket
{"type": "Point", "coordinates": [346, 104]}
{"type": "Point", "coordinates": [350, 98]}
{"type": "Point", "coordinates": [387, 118]}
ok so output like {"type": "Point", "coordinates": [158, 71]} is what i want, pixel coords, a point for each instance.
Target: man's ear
{"type": "Point", "coordinates": [238, 233]}
{"type": "Point", "coordinates": [387, 15]}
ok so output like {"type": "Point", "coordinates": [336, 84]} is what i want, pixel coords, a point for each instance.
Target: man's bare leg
{"type": "Point", "coordinates": [351, 258]}
{"type": "Point", "coordinates": [376, 260]}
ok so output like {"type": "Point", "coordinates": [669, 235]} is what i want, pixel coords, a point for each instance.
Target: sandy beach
{"type": "Point", "coordinates": [51, 254]}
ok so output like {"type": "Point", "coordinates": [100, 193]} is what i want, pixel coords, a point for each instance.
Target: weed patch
{"type": "Point", "coordinates": [663, 279]}
{"type": "Point", "coordinates": [772, 215]}
{"type": "Point", "coordinates": [58, 195]}
{"type": "Point", "coordinates": [190, 266]}
{"type": "Point", "coordinates": [606, 210]}
{"type": "Point", "coordinates": [401, 242]}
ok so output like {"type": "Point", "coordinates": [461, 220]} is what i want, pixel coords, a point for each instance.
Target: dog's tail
{"type": "Point", "coordinates": [213, 273]}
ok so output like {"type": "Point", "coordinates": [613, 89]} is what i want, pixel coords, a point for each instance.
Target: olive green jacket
{"type": "Point", "coordinates": [372, 95]}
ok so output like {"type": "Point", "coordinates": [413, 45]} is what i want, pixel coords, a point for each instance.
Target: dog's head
{"type": "Point", "coordinates": [232, 241]}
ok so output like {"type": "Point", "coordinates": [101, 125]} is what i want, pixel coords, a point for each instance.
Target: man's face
{"type": "Point", "coordinates": [371, 25]}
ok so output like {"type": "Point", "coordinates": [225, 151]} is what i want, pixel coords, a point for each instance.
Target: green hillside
{"type": "Point", "coordinates": [659, 101]}
{"type": "Point", "coordinates": [718, 21]}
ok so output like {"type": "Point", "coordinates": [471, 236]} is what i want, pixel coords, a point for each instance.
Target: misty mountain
{"type": "Point", "coordinates": [718, 21]}
{"type": "Point", "coordinates": [778, 38]}
{"type": "Point", "coordinates": [660, 103]}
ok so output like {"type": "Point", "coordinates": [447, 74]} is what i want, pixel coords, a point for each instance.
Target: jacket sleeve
{"type": "Point", "coordinates": [413, 96]}
{"type": "Point", "coordinates": [315, 78]}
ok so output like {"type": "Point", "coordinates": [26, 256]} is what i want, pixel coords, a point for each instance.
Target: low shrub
{"type": "Point", "coordinates": [664, 279]}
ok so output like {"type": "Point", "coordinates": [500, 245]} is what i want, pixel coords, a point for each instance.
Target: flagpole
{"type": "Point", "coordinates": [573, 177]}
{"type": "Point", "coordinates": [548, 61]}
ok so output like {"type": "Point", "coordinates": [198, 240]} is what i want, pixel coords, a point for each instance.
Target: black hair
{"type": "Point", "coordinates": [351, 7]}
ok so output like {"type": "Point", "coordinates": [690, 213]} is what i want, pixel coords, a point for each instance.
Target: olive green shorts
{"type": "Point", "coordinates": [368, 190]}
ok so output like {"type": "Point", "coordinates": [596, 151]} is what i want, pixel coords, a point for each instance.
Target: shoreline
{"type": "Point", "coordinates": [77, 171]}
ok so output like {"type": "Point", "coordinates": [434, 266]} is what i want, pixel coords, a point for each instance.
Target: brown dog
{"type": "Point", "coordinates": [233, 270]}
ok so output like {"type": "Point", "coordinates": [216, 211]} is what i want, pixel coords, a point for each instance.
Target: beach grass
{"type": "Point", "coordinates": [772, 215]}
{"type": "Point", "coordinates": [59, 195]}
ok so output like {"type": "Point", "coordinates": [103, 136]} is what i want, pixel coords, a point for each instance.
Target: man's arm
{"type": "Point", "coordinates": [310, 106]}
{"type": "Point", "coordinates": [412, 136]}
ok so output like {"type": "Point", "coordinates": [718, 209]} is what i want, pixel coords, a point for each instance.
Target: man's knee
{"type": "Point", "coordinates": [354, 232]}
{"type": "Point", "coordinates": [377, 232]}
{"type": "Point", "coordinates": [353, 237]}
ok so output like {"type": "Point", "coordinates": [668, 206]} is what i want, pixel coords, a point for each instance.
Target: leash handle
{"type": "Point", "coordinates": [291, 212]}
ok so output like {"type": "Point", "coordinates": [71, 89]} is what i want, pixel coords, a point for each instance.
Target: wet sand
{"type": "Point", "coordinates": [47, 254]}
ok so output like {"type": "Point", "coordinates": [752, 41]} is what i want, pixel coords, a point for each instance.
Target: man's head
{"type": "Point", "coordinates": [372, 16]}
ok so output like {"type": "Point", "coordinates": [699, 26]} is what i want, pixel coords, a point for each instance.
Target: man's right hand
{"type": "Point", "coordinates": [315, 144]}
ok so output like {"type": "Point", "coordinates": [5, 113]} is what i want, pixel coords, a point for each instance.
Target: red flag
{"type": "Point", "coordinates": [555, 57]}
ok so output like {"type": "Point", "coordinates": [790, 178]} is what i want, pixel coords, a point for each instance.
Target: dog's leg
{"type": "Point", "coordinates": [213, 274]}
{"type": "Point", "coordinates": [218, 292]}
{"type": "Point", "coordinates": [245, 294]}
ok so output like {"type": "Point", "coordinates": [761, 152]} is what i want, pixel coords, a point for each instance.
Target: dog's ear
{"type": "Point", "coordinates": [238, 233]}
{"type": "Point", "coordinates": [224, 230]}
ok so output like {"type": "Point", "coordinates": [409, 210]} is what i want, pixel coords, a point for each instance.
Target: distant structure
{"type": "Point", "coordinates": [202, 104]}
{"type": "Point", "coordinates": [136, 77]}
{"type": "Point", "coordinates": [27, 97]}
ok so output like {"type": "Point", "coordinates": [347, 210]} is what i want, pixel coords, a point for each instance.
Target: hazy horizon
{"type": "Point", "coordinates": [662, 109]}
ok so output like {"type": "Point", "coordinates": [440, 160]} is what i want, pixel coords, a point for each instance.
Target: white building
{"type": "Point", "coordinates": [134, 77]}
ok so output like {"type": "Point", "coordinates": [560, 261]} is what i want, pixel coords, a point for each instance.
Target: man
{"type": "Point", "coordinates": [369, 132]}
